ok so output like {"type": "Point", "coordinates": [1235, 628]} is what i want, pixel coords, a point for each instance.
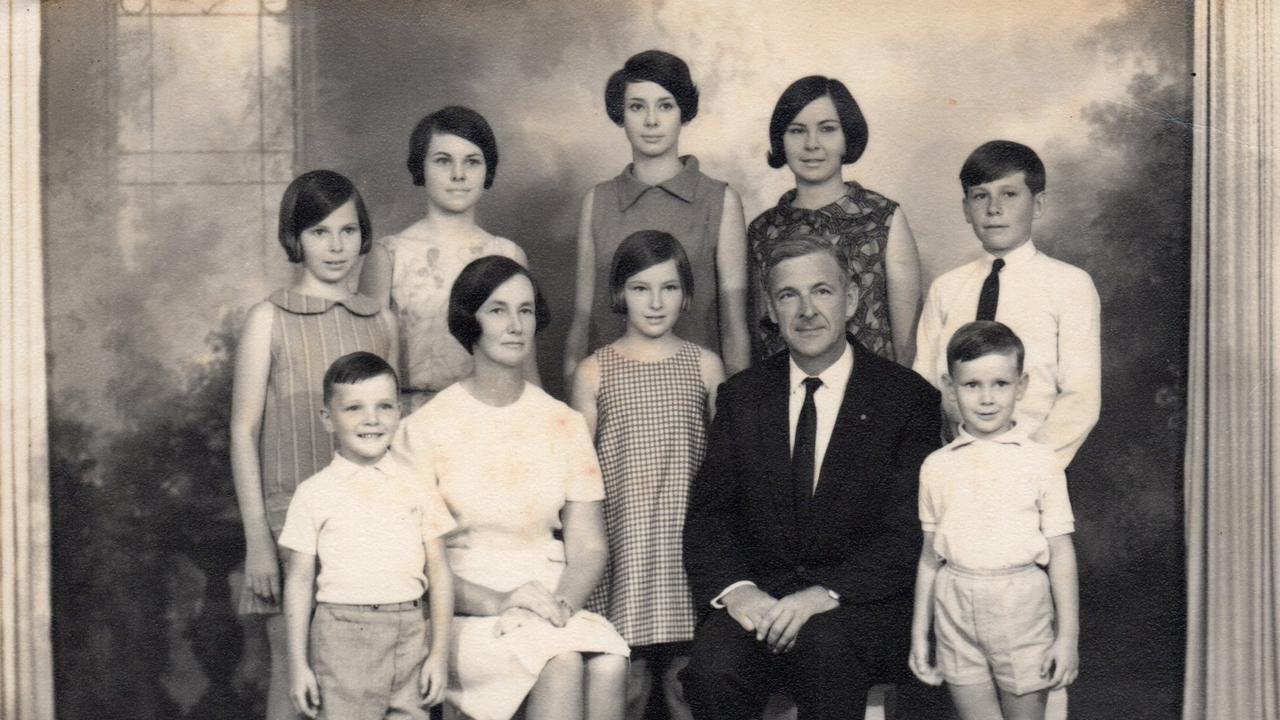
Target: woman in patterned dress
{"type": "Point", "coordinates": [453, 156]}
{"type": "Point", "coordinates": [816, 128]}
{"type": "Point", "coordinates": [647, 398]}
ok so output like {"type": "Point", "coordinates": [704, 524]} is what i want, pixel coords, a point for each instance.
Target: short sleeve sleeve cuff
{"type": "Point", "coordinates": [299, 533]}
{"type": "Point", "coordinates": [436, 520]}
{"type": "Point", "coordinates": [584, 482]}
{"type": "Point", "coordinates": [1056, 529]}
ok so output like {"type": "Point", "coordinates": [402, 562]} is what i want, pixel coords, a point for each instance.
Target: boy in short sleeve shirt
{"type": "Point", "coordinates": [995, 511]}
{"type": "Point", "coordinates": [375, 532]}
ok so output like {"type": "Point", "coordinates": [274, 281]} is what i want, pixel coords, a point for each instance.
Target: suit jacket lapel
{"type": "Point", "coordinates": [839, 464]}
{"type": "Point", "coordinates": [775, 440]}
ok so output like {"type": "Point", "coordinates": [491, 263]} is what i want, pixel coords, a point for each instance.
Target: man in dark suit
{"type": "Point", "coordinates": [802, 535]}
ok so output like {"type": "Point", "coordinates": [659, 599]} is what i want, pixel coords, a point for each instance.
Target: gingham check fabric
{"type": "Point", "coordinates": [651, 438]}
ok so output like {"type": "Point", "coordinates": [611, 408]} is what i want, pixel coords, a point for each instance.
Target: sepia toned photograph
{"type": "Point", "coordinates": [898, 360]}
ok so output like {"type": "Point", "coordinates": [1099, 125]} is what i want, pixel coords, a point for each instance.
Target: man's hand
{"type": "Point", "coordinates": [432, 679]}
{"type": "Point", "coordinates": [782, 623]}
{"type": "Point", "coordinates": [748, 604]}
{"type": "Point", "coordinates": [1063, 660]}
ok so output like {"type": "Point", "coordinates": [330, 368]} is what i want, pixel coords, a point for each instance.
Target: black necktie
{"type": "Point", "coordinates": [803, 451]}
{"type": "Point", "coordinates": [990, 294]}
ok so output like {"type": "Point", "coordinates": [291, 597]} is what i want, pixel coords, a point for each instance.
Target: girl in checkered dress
{"type": "Point", "coordinates": [647, 398]}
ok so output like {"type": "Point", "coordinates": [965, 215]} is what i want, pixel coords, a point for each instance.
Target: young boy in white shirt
{"type": "Point", "coordinates": [1051, 305]}
{"type": "Point", "coordinates": [374, 530]}
{"type": "Point", "coordinates": [995, 511]}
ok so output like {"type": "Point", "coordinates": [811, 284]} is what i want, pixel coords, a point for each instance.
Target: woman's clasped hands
{"type": "Point", "coordinates": [529, 602]}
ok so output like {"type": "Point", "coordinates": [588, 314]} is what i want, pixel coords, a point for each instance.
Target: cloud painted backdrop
{"type": "Point", "coordinates": [143, 314]}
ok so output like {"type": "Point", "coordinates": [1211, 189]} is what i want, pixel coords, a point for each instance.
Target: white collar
{"type": "Point", "coordinates": [344, 468]}
{"type": "Point", "coordinates": [1012, 436]}
{"type": "Point", "coordinates": [836, 375]}
{"type": "Point", "coordinates": [1017, 256]}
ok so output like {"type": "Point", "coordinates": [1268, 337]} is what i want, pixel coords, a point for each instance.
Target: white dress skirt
{"type": "Point", "coordinates": [506, 473]}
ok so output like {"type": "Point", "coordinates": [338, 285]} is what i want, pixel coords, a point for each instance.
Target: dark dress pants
{"type": "Point", "coordinates": [827, 673]}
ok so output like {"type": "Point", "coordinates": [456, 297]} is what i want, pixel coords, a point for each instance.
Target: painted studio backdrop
{"type": "Point", "coordinates": [171, 128]}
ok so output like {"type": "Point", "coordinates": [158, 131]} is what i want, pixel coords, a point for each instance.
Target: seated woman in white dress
{"type": "Point", "coordinates": [516, 467]}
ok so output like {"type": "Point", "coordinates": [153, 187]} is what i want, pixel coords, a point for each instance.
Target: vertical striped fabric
{"type": "Point", "coordinates": [307, 335]}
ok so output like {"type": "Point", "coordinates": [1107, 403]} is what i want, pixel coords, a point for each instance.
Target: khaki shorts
{"type": "Point", "coordinates": [367, 659]}
{"type": "Point", "coordinates": [993, 624]}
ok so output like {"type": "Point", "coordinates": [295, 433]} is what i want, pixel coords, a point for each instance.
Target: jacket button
{"type": "Point", "coordinates": [800, 569]}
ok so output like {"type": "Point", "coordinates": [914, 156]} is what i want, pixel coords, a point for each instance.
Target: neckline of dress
{"type": "Point", "coordinates": [679, 351]}
{"type": "Point", "coordinates": [850, 186]}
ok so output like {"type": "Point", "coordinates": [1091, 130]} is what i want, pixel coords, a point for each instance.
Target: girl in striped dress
{"type": "Point", "coordinates": [289, 340]}
{"type": "Point", "coordinates": [648, 398]}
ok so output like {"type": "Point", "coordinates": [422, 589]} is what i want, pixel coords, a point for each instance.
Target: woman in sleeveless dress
{"type": "Point", "coordinates": [453, 156]}
{"type": "Point", "coordinates": [816, 128]}
{"type": "Point", "coordinates": [651, 98]}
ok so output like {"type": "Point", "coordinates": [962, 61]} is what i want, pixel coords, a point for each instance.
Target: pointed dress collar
{"type": "Point", "coordinates": [683, 185]}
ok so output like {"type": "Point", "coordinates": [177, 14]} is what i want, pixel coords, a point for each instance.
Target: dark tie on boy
{"type": "Point", "coordinates": [990, 294]}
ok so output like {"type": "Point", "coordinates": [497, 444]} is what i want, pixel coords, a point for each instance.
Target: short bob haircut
{"type": "Point", "coordinates": [640, 251]}
{"type": "Point", "coordinates": [798, 245]}
{"type": "Point", "coordinates": [981, 338]}
{"type": "Point", "coordinates": [312, 197]}
{"type": "Point", "coordinates": [804, 91]}
{"type": "Point", "coordinates": [356, 367]}
{"type": "Point", "coordinates": [453, 120]}
{"type": "Point", "coordinates": [475, 284]}
{"type": "Point", "coordinates": [653, 66]}
{"type": "Point", "coordinates": [1002, 158]}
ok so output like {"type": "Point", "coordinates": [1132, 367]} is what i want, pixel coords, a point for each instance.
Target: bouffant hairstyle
{"type": "Point", "coordinates": [353, 368]}
{"type": "Point", "coordinates": [653, 66]}
{"type": "Point", "coordinates": [640, 251]}
{"type": "Point", "coordinates": [980, 338]}
{"type": "Point", "coordinates": [804, 91]}
{"type": "Point", "coordinates": [1001, 158]}
{"type": "Point", "coordinates": [475, 284]}
{"type": "Point", "coordinates": [312, 197]}
{"type": "Point", "coordinates": [453, 120]}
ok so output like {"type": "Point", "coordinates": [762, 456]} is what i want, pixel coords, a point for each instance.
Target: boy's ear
{"type": "Point", "coordinates": [1022, 386]}
{"type": "Point", "coordinates": [964, 207]}
{"type": "Point", "coordinates": [949, 387]}
{"type": "Point", "coordinates": [1037, 207]}
{"type": "Point", "coordinates": [324, 418]}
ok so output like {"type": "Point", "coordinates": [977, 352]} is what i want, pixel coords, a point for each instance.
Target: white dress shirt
{"type": "Point", "coordinates": [826, 401]}
{"type": "Point", "coordinates": [1054, 308]}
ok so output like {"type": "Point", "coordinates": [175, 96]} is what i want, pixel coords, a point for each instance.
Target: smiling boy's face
{"type": "Point", "coordinates": [362, 417]}
{"type": "Point", "coordinates": [987, 389]}
{"type": "Point", "coordinates": [1002, 212]}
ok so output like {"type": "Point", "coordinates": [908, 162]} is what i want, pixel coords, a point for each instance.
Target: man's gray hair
{"type": "Point", "coordinates": [799, 245]}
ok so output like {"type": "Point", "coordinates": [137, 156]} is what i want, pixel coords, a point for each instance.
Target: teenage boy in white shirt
{"type": "Point", "coordinates": [1051, 305]}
